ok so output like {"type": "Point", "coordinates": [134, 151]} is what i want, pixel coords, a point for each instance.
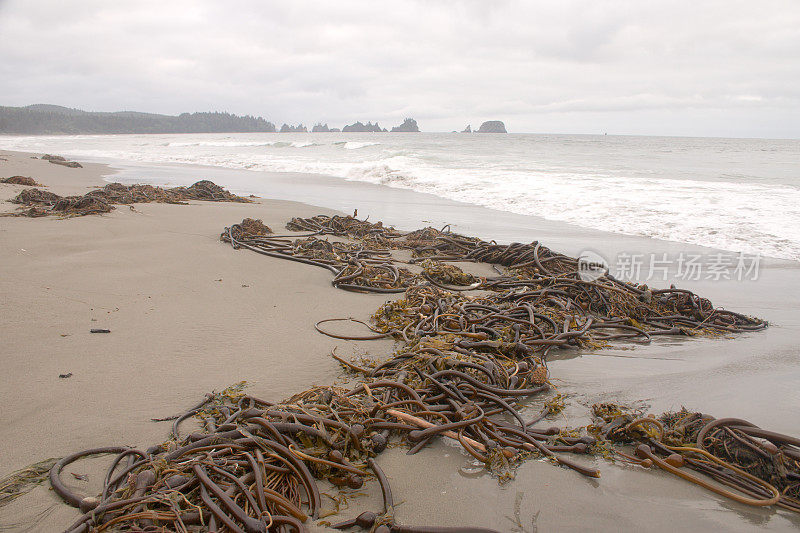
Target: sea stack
{"type": "Point", "coordinates": [492, 126]}
{"type": "Point", "coordinates": [286, 128]}
{"type": "Point", "coordinates": [468, 129]}
{"type": "Point", "coordinates": [409, 125]}
{"type": "Point", "coordinates": [361, 127]}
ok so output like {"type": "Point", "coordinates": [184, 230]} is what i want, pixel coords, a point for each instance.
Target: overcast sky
{"type": "Point", "coordinates": [723, 68]}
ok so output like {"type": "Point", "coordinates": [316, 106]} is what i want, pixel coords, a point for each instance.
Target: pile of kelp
{"type": "Point", "coordinates": [540, 299]}
{"type": "Point", "coordinates": [472, 355]}
{"type": "Point", "coordinates": [257, 466]}
{"type": "Point", "coordinates": [21, 180]}
{"type": "Point", "coordinates": [761, 466]}
{"type": "Point", "coordinates": [39, 203]}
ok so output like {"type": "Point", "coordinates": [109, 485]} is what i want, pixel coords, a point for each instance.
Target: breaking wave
{"type": "Point", "coordinates": [731, 194]}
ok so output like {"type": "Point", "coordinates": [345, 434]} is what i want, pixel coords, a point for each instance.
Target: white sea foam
{"type": "Point", "coordinates": [739, 195]}
{"type": "Point", "coordinates": [226, 144]}
{"type": "Point", "coordinates": [353, 145]}
{"type": "Point", "coordinates": [241, 144]}
{"type": "Point", "coordinates": [741, 217]}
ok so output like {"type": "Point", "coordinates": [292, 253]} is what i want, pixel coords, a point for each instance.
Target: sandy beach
{"type": "Point", "coordinates": [188, 315]}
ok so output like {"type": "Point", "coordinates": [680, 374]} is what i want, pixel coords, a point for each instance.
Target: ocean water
{"type": "Point", "coordinates": [741, 195]}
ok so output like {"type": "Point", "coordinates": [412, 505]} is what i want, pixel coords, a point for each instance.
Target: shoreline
{"type": "Point", "coordinates": [404, 209]}
{"type": "Point", "coordinates": [633, 177]}
{"type": "Point", "coordinates": [151, 274]}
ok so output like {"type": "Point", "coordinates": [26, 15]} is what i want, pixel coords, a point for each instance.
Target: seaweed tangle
{"type": "Point", "coordinates": [37, 203]}
{"type": "Point", "coordinates": [472, 355]}
{"type": "Point", "coordinates": [23, 481]}
{"type": "Point", "coordinates": [21, 180]}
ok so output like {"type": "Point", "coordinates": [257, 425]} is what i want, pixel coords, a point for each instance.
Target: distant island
{"type": "Point", "coordinates": [409, 125]}
{"type": "Point", "coordinates": [293, 129]}
{"type": "Point", "coordinates": [491, 126]}
{"type": "Point", "coordinates": [44, 119]}
{"type": "Point", "coordinates": [323, 128]}
{"type": "Point", "coordinates": [359, 127]}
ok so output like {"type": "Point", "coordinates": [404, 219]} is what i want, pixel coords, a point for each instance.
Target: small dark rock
{"type": "Point", "coordinates": [70, 164]}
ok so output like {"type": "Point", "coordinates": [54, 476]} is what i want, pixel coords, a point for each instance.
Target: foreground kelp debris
{"type": "Point", "coordinates": [472, 354]}
{"type": "Point", "coordinates": [259, 466]}
{"type": "Point", "coordinates": [38, 203]}
{"type": "Point", "coordinates": [762, 467]}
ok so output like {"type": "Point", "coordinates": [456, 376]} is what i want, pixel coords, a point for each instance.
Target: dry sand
{"type": "Point", "coordinates": [189, 315]}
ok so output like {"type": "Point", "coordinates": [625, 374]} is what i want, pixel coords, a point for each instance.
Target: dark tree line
{"type": "Point", "coordinates": [53, 120]}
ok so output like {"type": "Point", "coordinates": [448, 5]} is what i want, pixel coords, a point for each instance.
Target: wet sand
{"type": "Point", "coordinates": [189, 315]}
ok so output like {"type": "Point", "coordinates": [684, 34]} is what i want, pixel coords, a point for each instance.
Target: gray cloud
{"type": "Point", "coordinates": [679, 67]}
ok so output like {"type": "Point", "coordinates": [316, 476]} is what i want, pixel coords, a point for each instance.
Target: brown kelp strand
{"type": "Point", "coordinates": [729, 456]}
{"type": "Point", "coordinates": [36, 203]}
{"type": "Point", "coordinates": [246, 464]}
{"type": "Point", "coordinates": [23, 481]}
{"type": "Point", "coordinates": [341, 226]}
{"type": "Point", "coordinates": [250, 465]}
{"type": "Point", "coordinates": [459, 331]}
{"type": "Point", "coordinates": [255, 466]}
{"type": "Point", "coordinates": [539, 301]}
{"type": "Point", "coordinates": [471, 359]}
